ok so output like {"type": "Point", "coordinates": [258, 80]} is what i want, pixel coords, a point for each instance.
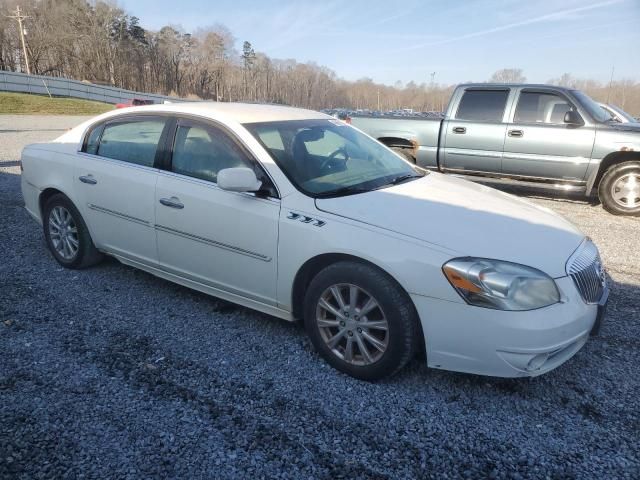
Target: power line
{"type": "Point", "coordinates": [20, 17]}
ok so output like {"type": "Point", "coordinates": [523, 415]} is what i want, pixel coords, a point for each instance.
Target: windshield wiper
{"type": "Point", "coordinates": [403, 178]}
{"type": "Point", "coordinates": [344, 191]}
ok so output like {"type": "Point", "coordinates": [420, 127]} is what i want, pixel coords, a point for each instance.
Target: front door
{"type": "Point", "coordinates": [115, 180]}
{"type": "Point", "coordinates": [225, 240]}
{"type": "Point", "coordinates": [474, 138]}
{"type": "Point", "coordinates": [539, 143]}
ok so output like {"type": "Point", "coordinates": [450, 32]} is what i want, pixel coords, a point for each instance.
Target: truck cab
{"type": "Point", "coordinates": [518, 131]}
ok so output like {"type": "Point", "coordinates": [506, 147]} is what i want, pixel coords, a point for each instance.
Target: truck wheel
{"type": "Point", "coordinates": [360, 320]}
{"type": "Point", "coordinates": [619, 189]}
{"type": "Point", "coordinates": [404, 153]}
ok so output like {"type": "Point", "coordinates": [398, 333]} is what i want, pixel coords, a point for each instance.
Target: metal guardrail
{"type": "Point", "coordinates": [64, 87]}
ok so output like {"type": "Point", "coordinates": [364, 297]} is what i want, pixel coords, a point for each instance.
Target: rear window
{"type": "Point", "coordinates": [482, 105]}
{"type": "Point", "coordinates": [133, 141]}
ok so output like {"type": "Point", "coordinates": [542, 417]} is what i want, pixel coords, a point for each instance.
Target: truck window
{"type": "Point", "coordinates": [482, 105]}
{"type": "Point", "coordinates": [539, 107]}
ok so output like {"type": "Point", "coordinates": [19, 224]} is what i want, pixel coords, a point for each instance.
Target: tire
{"type": "Point", "coordinates": [613, 193]}
{"type": "Point", "coordinates": [79, 239]}
{"type": "Point", "coordinates": [404, 153]}
{"type": "Point", "coordinates": [400, 340]}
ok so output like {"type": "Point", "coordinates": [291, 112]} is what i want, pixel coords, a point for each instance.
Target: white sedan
{"type": "Point", "coordinates": [301, 216]}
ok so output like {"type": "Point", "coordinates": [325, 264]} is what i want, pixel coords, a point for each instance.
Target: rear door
{"type": "Point", "coordinates": [115, 179]}
{"type": "Point", "coordinates": [539, 144]}
{"type": "Point", "coordinates": [474, 137]}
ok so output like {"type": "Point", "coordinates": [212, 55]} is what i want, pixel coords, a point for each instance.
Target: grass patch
{"type": "Point", "coordinates": [22, 103]}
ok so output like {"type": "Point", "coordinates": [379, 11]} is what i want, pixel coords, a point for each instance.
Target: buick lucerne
{"type": "Point", "coordinates": [299, 215]}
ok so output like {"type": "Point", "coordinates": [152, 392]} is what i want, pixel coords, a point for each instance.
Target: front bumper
{"type": "Point", "coordinates": [483, 341]}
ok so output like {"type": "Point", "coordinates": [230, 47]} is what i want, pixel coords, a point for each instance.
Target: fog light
{"type": "Point", "coordinates": [537, 362]}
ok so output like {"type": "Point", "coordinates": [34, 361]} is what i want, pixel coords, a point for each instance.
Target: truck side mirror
{"type": "Point", "coordinates": [573, 118]}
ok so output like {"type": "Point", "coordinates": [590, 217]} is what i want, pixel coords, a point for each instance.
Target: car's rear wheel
{"type": "Point", "coordinates": [360, 320]}
{"type": "Point", "coordinates": [67, 235]}
{"type": "Point", "coordinates": [619, 189]}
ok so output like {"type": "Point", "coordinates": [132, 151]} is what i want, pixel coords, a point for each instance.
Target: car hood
{"type": "Point", "coordinates": [468, 218]}
{"type": "Point", "coordinates": [633, 127]}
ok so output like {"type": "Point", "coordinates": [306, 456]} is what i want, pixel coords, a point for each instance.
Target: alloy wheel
{"type": "Point", "coordinates": [63, 232]}
{"type": "Point", "coordinates": [352, 324]}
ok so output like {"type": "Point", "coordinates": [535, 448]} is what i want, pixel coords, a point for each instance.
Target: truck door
{"type": "Point", "coordinates": [474, 135]}
{"type": "Point", "coordinates": [539, 144]}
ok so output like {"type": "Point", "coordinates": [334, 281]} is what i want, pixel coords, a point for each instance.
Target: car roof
{"type": "Point", "coordinates": [238, 112]}
{"type": "Point", "coordinates": [514, 85]}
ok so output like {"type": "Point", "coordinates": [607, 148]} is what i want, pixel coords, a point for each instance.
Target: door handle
{"type": "Point", "coordinates": [88, 179]}
{"type": "Point", "coordinates": [173, 202]}
{"type": "Point", "coordinates": [516, 133]}
{"type": "Point", "coordinates": [461, 130]}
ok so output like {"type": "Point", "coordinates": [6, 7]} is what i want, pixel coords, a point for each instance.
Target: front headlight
{"type": "Point", "coordinates": [501, 285]}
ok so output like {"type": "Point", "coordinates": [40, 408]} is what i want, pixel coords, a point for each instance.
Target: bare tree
{"type": "Point", "coordinates": [508, 75]}
{"type": "Point", "coordinates": [100, 42]}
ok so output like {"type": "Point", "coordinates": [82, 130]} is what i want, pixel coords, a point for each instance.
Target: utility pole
{"type": "Point", "coordinates": [431, 92]}
{"type": "Point", "coordinates": [378, 99]}
{"type": "Point", "coordinates": [19, 17]}
{"type": "Point", "coordinates": [610, 83]}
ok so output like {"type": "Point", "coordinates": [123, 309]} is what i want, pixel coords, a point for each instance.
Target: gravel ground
{"type": "Point", "coordinates": [113, 373]}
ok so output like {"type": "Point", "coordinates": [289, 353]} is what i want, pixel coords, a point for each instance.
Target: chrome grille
{"type": "Point", "coordinates": [587, 272]}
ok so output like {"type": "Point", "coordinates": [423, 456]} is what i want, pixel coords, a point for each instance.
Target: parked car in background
{"type": "Point", "coordinates": [134, 102]}
{"type": "Point", "coordinates": [617, 113]}
{"type": "Point", "coordinates": [299, 215]}
{"type": "Point", "coordinates": [536, 135]}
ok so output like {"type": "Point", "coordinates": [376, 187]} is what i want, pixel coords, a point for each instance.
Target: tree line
{"type": "Point", "coordinates": [101, 43]}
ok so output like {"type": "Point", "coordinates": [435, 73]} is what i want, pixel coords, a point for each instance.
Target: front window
{"type": "Point", "coordinates": [590, 106]}
{"type": "Point", "coordinates": [541, 107]}
{"type": "Point", "coordinates": [326, 158]}
{"type": "Point", "coordinates": [202, 151]}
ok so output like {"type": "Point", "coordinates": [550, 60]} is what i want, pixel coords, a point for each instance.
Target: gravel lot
{"type": "Point", "coordinates": [113, 373]}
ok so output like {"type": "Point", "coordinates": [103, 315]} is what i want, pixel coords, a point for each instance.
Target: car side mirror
{"type": "Point", "coordinates": [573, 118]}
{"type": "Point", "coordinates": [238, 179]}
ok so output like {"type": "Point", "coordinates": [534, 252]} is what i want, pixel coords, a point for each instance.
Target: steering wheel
{"type": "Point", "coordinates": [332, 161]}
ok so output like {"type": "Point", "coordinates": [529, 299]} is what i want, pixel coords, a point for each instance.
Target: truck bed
{"type": "Point", "coordinates": [423, 134]}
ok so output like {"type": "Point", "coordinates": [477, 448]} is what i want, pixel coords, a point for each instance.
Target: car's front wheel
{"type": "Point", "coordinates": [360, 320]}
{"type": "Point", "coordinates": [619, 189]}
{"type": "Point", "coordinates": [67, 235]}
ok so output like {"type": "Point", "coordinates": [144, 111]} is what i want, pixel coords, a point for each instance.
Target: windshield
{"type": "Point", "coordinates": [597, 113]}
{"type": "Point", "coordinates": [329, 158]}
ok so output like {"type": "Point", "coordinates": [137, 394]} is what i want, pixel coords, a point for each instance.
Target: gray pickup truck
{"type": "Point", "coordinates": [538, 135]}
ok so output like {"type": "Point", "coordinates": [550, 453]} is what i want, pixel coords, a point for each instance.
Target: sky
{"type": "Point", "coordinates": [408, 40]}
